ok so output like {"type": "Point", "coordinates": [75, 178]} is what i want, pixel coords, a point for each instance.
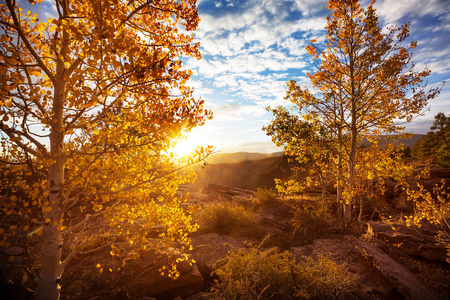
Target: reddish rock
{"type": "Point", "coordinates": [211, 247]}
{"type": "Point", "coordinates": [412, 241]}
{"type": "Point", "coordinates": [403, 279]}
{"type": "Point", "coordinates": [153, 284]}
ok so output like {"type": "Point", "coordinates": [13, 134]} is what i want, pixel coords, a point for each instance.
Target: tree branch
{"type": "Point", "coordinates": [27, 43]}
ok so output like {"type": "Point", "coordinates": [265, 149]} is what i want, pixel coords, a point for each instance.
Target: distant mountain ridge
{"type": "Point", "coordinates": [251, 170]}
{"type": "Point", "coordinates": [246, 174]}
{"type": "Point", "coordinates": [237, 157]}
{"type": "Point", "coordinates": [407, 142]}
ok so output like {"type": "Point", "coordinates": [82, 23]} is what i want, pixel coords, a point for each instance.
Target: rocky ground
{"type": "Point", "coordinates": [405, 263]}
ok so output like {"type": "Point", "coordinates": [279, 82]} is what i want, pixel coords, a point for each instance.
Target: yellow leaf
{"type": "Point", "coordinates": [35, 73]}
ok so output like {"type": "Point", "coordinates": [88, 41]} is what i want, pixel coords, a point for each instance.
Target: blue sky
{"type": "Point", "coordinates": [251, 48]}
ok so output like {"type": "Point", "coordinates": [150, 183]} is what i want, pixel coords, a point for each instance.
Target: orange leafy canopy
{"type": "Point", "coordinates": [91, 101]}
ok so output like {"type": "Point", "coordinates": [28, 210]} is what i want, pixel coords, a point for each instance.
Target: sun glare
{"type": "Point", "coordinates": [186, 146]}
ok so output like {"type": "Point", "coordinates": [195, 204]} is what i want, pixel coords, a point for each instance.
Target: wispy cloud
{"type": "Point", "coordinates": [393, 11]}
{"type": "Point", "coordinates": [235, 112]}
{"type": "Point", "coordinates": [252, 47]}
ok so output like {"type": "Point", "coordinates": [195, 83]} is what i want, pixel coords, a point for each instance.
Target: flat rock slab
{"type": "Point", "coordinates": [189, 283]}
{"type": "Point", "coordinates": [411, 240]}
{"type": "Point", "coordinates": [403, 279]}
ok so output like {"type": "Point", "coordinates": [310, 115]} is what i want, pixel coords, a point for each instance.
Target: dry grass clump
{"type": "Point", "coordinates": [266, 198]}
{"type": "Point", "coordinates": [229, 219]}
{"type": "Point", "coordinates": [268, 274]}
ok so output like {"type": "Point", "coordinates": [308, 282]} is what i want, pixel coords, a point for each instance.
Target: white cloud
{"type": "Point", "coordinates": [235, 112]}
{"type": "Point", "coordinates": [392, 11]}
{"type": "Point", "coordinates": [435, 58]}
{"type": "Point", "coordinates": [226, 80]}
{"type": "Point", "coordinates": [199, 88]}
{"type": "Point", "coordinates": [294, 46]}
{"type": "Point", "coordinates": [218, 24]}
{"type": "Point", "coordinates": [309, 7]}
{"type": "Point", "coordinates": [250, 51]}
{"type": "Point", "coordinates": [312, 24]}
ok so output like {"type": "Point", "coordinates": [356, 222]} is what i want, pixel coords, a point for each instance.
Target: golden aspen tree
{"type": "Point", "coordinates": [364, 81]}
{"type": "Point", "coordinates": [92, 100]}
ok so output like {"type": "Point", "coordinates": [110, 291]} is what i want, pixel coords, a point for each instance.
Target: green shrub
{"type": "Point", "coordinates": [257, 274]}
{"type": "Point", "coordinates": [229, 219]}
{"type": "Point", "coordinates": [309, 221]}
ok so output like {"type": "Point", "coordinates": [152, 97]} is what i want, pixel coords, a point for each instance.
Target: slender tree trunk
{"type": "Point", "coordinates": [351, 177]}
{"type": "Point", "coordinates": [47, 286]}
{"type": "Point", "coordinates": [322, 183]}
{"type": "Point", "coordinates": [47, 282]}
{"type": "Point", "coordinates": [324, 202]}
{"type": "Point", "coordinates": [354, 135]}
{"type": "Point", "coordinates": [339, 164]}
{"type": "Point", "coordinates": [339, 179]}
{"type": "Point", "coordinates": [339, 187]}
{"type": "Point", "coordinates": [361, 208]}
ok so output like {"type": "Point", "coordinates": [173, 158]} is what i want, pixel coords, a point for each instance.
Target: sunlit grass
{"type": "Point", "coordinates": [228, 219]}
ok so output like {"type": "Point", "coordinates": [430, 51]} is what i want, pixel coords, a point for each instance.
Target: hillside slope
{"type": "Point", "coordinates": [237, 157]}
{"type": "Point", "coordinates": [248, 174]}
{"type": "Point", "coordinates": [257, 170]}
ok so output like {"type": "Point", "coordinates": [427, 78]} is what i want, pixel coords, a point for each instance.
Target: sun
{"type": "Point", "coordinates": [186, 145]}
